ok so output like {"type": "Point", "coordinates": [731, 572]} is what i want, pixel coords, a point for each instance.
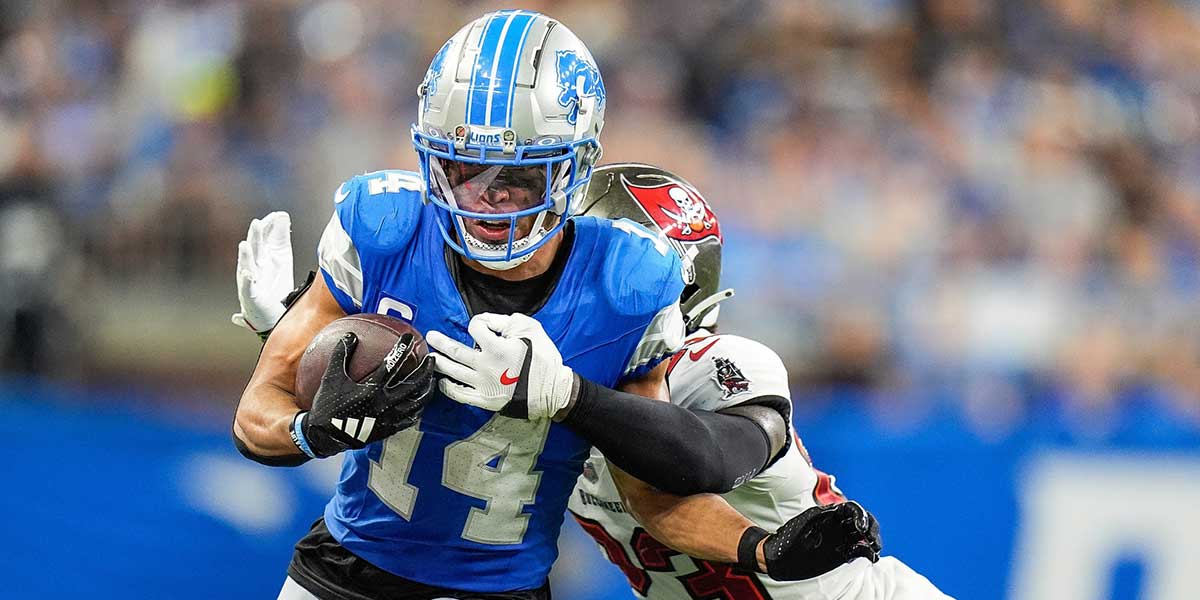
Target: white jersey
{"type": "Point", "coordinates": [713, 373]}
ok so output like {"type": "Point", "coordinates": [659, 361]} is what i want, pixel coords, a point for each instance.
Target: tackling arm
{"type": "Point", "coordinates": [703, 526]}
{"type": "Point", "coordinates": [672, 447]}
{"type": "Point", "coordinates": [707, 527]}
{"type": "Point", "coordinates": [674, 519]}
{"type": "Point", "coordinates": [679, 450]}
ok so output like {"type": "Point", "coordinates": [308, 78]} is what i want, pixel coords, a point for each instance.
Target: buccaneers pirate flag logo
{"type": "Point", "coordinates": [678, 209]}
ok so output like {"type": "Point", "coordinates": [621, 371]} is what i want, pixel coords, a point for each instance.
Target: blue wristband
{"type": "Point", "coordinates": [297, 431]}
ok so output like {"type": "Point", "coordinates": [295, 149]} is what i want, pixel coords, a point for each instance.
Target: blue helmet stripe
{"type": "Point", "coordinates": [506, 70]}
{"type": "Point", "coordinates": [481, 78]}
{"type": "Point", "coordinates": [497, 61]}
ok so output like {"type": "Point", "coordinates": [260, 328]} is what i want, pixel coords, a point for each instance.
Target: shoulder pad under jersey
{"type": "Point", "coordinates": [641, 275]}
{"type": "Point", "coordinates": [719, 371]}
{"type": "Point", "coordinates": [375, 216]}
{"type": "Point", "coordinates": [380, 210]}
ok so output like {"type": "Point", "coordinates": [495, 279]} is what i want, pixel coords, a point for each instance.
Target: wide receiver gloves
{"type": "Point", "coordinates": [264, 272]}
{"type": "Point", "coordinates": [349, 414]}
{"type": "Point", "coordinates": [516, 371]}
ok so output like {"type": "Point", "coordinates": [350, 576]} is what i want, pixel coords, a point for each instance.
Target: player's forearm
{"type": "Point", "coordinates": [703, 526]}
{"type": "Point", "coordinates": [670, 447]}
{"type": "Point", "coordinates": [263, 422]}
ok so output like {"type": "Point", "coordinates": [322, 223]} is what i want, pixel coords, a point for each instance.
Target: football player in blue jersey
{"type": "Point", "coordinates": [685, 450]}
{"type": "Point", "coordinates": [467, 503]}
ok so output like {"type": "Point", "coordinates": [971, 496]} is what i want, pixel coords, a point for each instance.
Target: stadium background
{"type": "Point", "coordinates": [971, 228]}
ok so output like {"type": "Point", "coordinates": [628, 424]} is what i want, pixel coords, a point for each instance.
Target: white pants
{"type": "Point", "coordinates": [888, 579]}
{"type": "Point", "coordinates": [293, 591]}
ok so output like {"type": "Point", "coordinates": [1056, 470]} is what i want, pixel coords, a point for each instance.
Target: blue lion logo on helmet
{"type": "Point", "coordinates": [435, 69]}
{"type": "Point", "coordinates": [577, 78]}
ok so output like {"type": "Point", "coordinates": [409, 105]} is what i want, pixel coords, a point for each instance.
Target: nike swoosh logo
{"type": "Point", "coordinates": [340, 195]}
{"type": "Point", "coordinates": [697, 354]}
{"type": "Point", "coordinates": [506, 380]}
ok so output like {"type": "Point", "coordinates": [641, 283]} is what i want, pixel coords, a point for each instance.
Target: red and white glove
{"type": "Point", "coordinates": [516, 370]}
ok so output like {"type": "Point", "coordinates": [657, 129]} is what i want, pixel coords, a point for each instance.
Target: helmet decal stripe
{"type": "Point", "coordinates": [494, 80]}
{"type": "Point", "coordinates": [506, 41]}
{"type": "Point", "coordinates": [506, 106]}
{"type": "Point", "coordinates": [481, 76]}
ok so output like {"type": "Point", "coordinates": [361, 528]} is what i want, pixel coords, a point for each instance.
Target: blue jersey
{"type": "Point", "coordinates": [469, 499]}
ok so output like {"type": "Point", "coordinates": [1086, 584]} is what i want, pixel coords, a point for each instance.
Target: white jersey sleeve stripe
{"type": "Point", "coordinates": [663, 337]}
{"type": "Point", "coordinates": [338, 257]}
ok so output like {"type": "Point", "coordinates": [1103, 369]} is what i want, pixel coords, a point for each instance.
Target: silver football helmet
{"type": "Point", "coordinates": [507, 134]}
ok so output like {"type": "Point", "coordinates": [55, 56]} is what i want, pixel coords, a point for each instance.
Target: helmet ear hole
{"type": "Point", "coordinates": [689, 291]}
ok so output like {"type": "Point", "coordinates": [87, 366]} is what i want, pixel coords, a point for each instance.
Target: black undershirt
{"type": "Point", "coordinates": [483, 293]}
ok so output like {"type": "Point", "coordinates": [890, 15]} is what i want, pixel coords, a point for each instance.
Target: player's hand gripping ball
{"type": "Point", "coordinates": [366, 377]}
{"type": "Point", "coordinates": [821, 539]}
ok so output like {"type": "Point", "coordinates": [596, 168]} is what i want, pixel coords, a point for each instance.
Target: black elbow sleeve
{"type": "Point", "coordinates": [287, 460]}
{"type": "Point", "coordinates": [672, 448]}
{"type": "Point", "coordinates": [701, 471]}
{"type": "Point", "coordinates": [727, 450]}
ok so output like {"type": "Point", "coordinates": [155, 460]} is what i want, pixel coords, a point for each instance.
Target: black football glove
{"type": "Point", "coordinates": [821, 539]}
{"type": "Point", "coordinates": [348, 414]}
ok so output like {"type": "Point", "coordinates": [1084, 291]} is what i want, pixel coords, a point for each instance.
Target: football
{"type": "Point", "coordinates": [377, 334]}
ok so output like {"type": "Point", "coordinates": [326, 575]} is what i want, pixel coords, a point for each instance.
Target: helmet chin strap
{"type": "Point", "coordinates": [700, 315]}
{"type": "Point", "coordinates": [504, 265]}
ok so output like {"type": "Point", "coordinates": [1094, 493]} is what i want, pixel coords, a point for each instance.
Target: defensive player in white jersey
{"type": "Point", "coordinates": [715, 372]}
{"type": "Point", "coordinates": [677, 213]}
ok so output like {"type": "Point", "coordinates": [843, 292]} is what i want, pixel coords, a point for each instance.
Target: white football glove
{"type": "Point", "coordinates": [264, 272]}
{"type": "Point", "coordinates": [516, 371]}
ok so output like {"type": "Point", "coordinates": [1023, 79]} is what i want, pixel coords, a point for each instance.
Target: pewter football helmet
{"type": "Point", "coordinates": [510, 114]}
{"type": "Point", "coordinates": [677, 215]}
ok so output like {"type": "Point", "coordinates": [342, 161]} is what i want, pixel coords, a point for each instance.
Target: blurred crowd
{"type": "Point", "coordinates": [992, 197]}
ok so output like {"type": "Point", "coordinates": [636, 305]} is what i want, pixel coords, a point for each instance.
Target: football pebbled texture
{"type": "Point", "coordinates": [377, 334]}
